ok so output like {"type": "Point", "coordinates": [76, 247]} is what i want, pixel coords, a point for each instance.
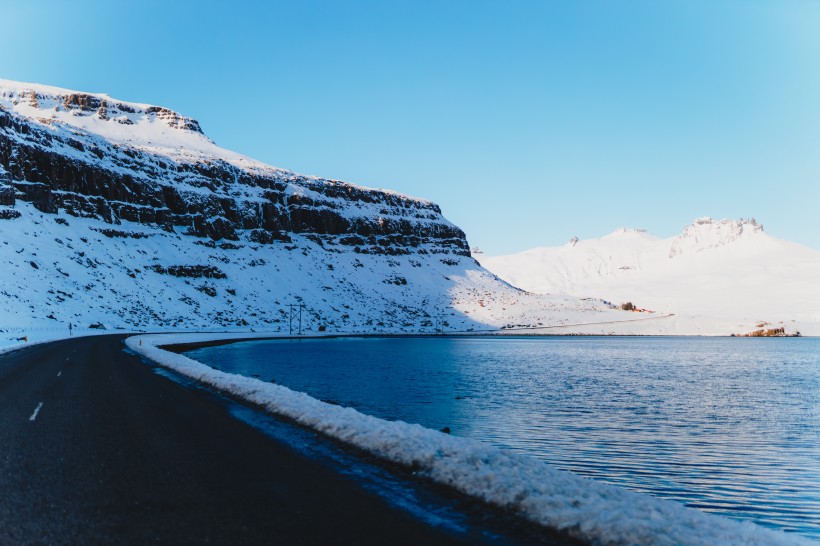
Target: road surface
{"type": "Point", "coordinates": [96, 448]}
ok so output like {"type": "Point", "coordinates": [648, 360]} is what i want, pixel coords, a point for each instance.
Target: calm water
{"type": "Point", "coordinates": [725, 425]}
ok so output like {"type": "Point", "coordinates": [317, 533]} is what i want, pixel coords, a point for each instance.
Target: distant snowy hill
{"type": "Point", "coordinates": [126, 214]}
{"type": "Point", "coordinates": [716, 276]}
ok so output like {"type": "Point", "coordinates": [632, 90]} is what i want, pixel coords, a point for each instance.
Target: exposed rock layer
{"type": "Point", "coordinates": [88, 176]}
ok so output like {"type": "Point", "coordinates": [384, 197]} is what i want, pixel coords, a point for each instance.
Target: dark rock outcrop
{"type": "Point", "coordinates": [191, 271]}
{"type": "Point", "coordinates": [88, 176]}
{"type": "Point", "coordinates": [7, 197]}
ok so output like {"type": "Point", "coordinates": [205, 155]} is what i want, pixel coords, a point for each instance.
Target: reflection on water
{"type": "Point", "coordinates": [726, 425]}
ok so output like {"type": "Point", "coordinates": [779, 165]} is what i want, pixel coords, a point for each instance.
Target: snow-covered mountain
{"type": "Point", "coordinates": [716, 276]}
{"type": "Point", "coordinates": [128, 215]}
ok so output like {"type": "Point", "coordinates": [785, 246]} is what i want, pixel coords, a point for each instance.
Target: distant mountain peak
{"type": "Point", "coordinates": [705, 233]}
{"type": "Point", "coordinates": [715, 275]}
{"type": "Point", "coordinates": [627, 230]}
{"type": "Point", "coordinates": [749, 223]}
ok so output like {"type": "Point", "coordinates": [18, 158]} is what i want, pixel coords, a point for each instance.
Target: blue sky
{"type": "Point", "coordinates": [528, 122]}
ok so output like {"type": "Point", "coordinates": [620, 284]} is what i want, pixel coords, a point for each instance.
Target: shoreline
{"type": "Point", "coordinates": [529, 488]}
{"type": "Point", "coordinates": [183, 347]}
{"type": "Point", "coordinates": [501, 521]}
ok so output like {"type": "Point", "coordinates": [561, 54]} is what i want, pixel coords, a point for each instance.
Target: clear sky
{"type": "Point", "coordinates": [528, 122]}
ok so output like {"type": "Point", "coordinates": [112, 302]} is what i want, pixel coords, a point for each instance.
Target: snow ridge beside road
{"type": "Point", "coordinates": [594, 512]}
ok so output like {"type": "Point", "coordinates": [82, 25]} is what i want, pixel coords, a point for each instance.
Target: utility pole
{"type": "Point", "coordinates": [293, 314]}
{"type": "Point", "coordinates": [439, 324]}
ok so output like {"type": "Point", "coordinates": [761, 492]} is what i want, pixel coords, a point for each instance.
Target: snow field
{"type": "Point", "coordinates": [593, 512]}
{"type": "Point", "coordinates": [718, 277]}
{"type": "Point", "coordinates": [61, 269]}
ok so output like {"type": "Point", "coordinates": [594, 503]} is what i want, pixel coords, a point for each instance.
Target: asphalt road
{"type": "Point", "coordinates": [95, 448]}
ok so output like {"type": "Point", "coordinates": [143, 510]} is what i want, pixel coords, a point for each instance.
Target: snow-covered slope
{"type": "Point", "coordinates": [720, 277]}
{"type": "Point", "coordinates": [128, 215]}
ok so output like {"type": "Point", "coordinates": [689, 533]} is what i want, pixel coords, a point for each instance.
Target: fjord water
{"type": "Point", "coordinates": [725, 425]}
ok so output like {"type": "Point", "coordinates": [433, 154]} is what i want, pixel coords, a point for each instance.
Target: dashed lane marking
{"type": "Point", "coordinates": [36, 411]}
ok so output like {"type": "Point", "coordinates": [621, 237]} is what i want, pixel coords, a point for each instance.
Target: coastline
{"type": "Point", "coordinates": [543, 495]}
{"type": "Point", "coordinates": [184, 347]}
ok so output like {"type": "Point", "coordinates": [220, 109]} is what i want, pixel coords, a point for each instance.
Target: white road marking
{"type": "Point", "coordinates": [59, 373]}
{"type": "Point", "coordinates": [36, 411]}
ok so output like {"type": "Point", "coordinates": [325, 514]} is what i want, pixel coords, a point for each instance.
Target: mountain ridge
{"type": "Point", "coordinates": [154, 183]}
{"type": "Point", "coordinates": [149, 224]}
{"type": "Point", "coordinates": [726, 269]}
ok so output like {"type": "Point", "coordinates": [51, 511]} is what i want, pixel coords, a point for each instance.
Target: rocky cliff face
{"type": "Point", "coordinates": [66, 151]}
{"type": "Point", "coordinates": [706, 233]}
